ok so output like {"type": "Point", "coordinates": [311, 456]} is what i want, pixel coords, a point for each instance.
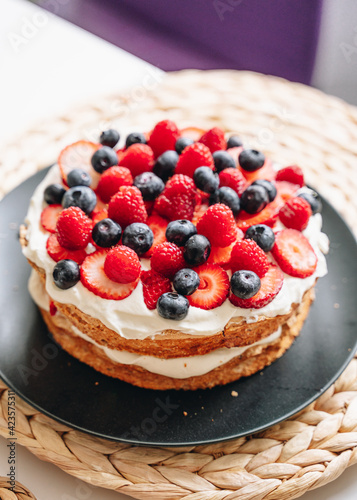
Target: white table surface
{"type": "Point", "coordinates": [49, 66]}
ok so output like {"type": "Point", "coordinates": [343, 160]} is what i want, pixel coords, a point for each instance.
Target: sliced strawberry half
{"type": "Point", "coordinates": [234, 152]}
{"type": "Point", "coordinates": [78, 155]}
{"type": "Point", "coordinates": [222, 255]}
{"type": "Point", "coordinates": [158, 226]}
{"type": "Point", "coordinates": [49, 217]}
{"type": "Point", "coordinates": [98, 215]}
{"type": "Point", "coordinates": [294, 254]}
{"type": "Point", "coordinates": [267, 172]}
{"type": "Point", "coordinates": [94, 278]}
{"type": "Point", "coordinates": [197, 214]}
{"type": "Point", "coordinates": [267, 216]}
{"type": "Point", "coordinates": [57, 252]}
{"type": "Point", "coordinates": [286, 189]}
{"type": "Point", "coordinates": [213, 288]}
{"type": "Point", "coordinates": [193, 133]}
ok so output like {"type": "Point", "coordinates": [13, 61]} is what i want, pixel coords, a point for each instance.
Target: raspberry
{"type": "Point", "coordinates": [154, 285]}
{"type": "Point", "coordinates": [73, 228]}
{"type": "Point", "coordinates": [218, 225]}
{"type": "Point", "coordinates": [214, 139]}
{"type": "Point", "coordinates": [111, 180]}
{"type": "Point", "coordinates": [294, 254]}
{"type": "Point", "coordinates": [295, 214]}
{"type": "Point", "coordinates": [248, 256]}
{"type": "Point", "coordinates": [163, 137]}
{"type": "Point", "coordinates": [122, 265]}
{"type": "Point", "coordinates": [292, 174]}
{"type": "Point", "coordinates": [127, 206]}
{"type": "Point", "coordinates": [179, 198]}
{"type": "Point", "coordinates": [233, 178]}
{"type": "Point", "coordinates": [194, 156]}
{"type": "Point", "coordinates": [167, 259]}
{"type": "Point", "coordinates": [138, 158]}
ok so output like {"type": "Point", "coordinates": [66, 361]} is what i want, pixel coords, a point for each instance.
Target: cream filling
{"type": "Point", "coordinates": [130, 317]}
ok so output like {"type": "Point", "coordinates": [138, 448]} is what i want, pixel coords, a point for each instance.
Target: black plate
{"type": "Point", "coordinates": [75, 394]}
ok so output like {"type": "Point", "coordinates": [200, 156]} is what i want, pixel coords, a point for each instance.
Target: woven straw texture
{"type": "Point", "coordinates": [19, 492]}
{"type": "Point", "coordinates": [293, 124]}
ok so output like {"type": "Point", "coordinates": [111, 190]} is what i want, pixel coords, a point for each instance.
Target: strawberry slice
{"type": "Point", "coordinates": [78, 155]}
{"type": "Point", "coordinates": [158, 226]}
{"type": "Point", "coordinates": [49, 217]}
{"type": "Point", "coordinates": [213, 288]}
{"type": "Point", "coordinates": [57, 252]}
{"type": "Point", "coordinates": [234, 152]}
{"type": "Point", "coordinates": [193, 133]}
{"type": "Point", "coordinates": [271, 285]}
{"type": "Point", "coordinates": [222, 255]}
{"type": "Point", "coordinates": [98, 215]}
{"type": "Point", "coordinates": [154, 285]}
{"type": "Point", "coordinates": [267, 216]}
{"type": "Point", "coordinates": [94, 279]}
{"type": "Point", "coordinates": [294, 254]}
{"type": "Point", "coordinates": [267, 172]}
{"type": "Point", "coordinates": [197, 214]}
{"type": "Point", "coordinates": [286, 189]}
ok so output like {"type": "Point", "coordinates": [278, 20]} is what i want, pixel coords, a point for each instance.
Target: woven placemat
{"type": "Point", "coordinates": [18, 492]}
{"type": "Point", "coordinates": [293, 124]}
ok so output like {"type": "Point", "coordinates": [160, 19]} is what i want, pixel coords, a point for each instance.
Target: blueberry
{"type": "Point", "coordinates": [269, 186]}
{"type": "Point", "coordinates": [186, 281]}
{"type": "Point", "coordinates": [103, 159]}
{"type": "Point", "coordinates": [254, 199]}
{"type": "Point", "coordinates": [139, 237]}
{"type": "Point", "coordinates": [54, 193]}
{"type": "Point", "coordinates": [234, 142]}
{"type": "Point", "coordinates": [182, 143]}
{"type": "Point", "coordinates": [223, 160]}
{"type": "Point", "coordinates": [82, 197]}
{"type": "Point", "coordinates": [251, 160]}
{"type": "Point", "coordinates": [109, 138]}
{"type": "Point", "coordinates": [313, 199]}
{"type": "Point", "coordinates": [179, 231]}
{"type": "Point", "coordinates": [106, 233]}
{"type": "Point", "coordinates": [78, 177]}
{"type": "Point", "coordinates": [196, 250]}
{"type": "Point", "coordinates": [150, 185]}
{"type": "Point", "coordinates": [227, 196]}
{"type": "Point", "coordinates": [206, 180]}
{"type": "Point", "coordinates": [66, 274]}
{"type": "Point", "coordinates": [245, 284]}
{"type": "Point", "coordinates": [165, 164]}
{"type": "Point", "coordinates": [172, 306]}
{"type": "Point", "coordinates": [135, 138]}
{"type": "Point", "coordinates": [263, 235]}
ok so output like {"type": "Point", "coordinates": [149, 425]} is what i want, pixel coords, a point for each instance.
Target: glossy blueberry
{"type": "Point", "coordinates": [254, 199]}
{"type": "Point", "coordinates": [54, 193]}
{"type": "Point", "coordinates": [182, 143]}
{"type": "Point", "coordinates": [263, 235]}
{"type": "Point", "coordinates": [245, 284]}
{"type": "Point", "coordinates": [104, 158]}
{"type": "Point", "coordinates": [80, 196]}
{"type": "Point", "coordinates": [234, 142]}
{"type": "Point", "coordinates": [135, 138]}
{"type": "Point", "coordinates": [269, 186]}
{"type": "Point", "coordinates": [139, 237]}
{"type": "Point", "coordinates": [172, 306]}
{"type": "Point", "coordinates": [196, 250]}
{"type": "Point", "coordinates": [165, 164]}
{"type": "Point", "coordinates": [251, 160]}
{"type": "Point", "coordinates": [106, 233]}
{"type": "Point", "coordinates": [206, 180]}
{"type": "Point", "coordinates": [150, 185]}
{"type": "Point", "coordinates": [109, 138]}
{"type": "Point", "coordinates": [66, 274]}
{"type": "Point", "coordinates": [313, 199]}
{"type": "Point", "coordinates": [78, 177]}
{"type": "Point", "coordinates": [179, 231]}
{"type": "Point", "coordinates": [186, 281]}
{"type": "Point", "coordinates": [223, 160]}
{"type": "Point", "coordinates": [227, 196]}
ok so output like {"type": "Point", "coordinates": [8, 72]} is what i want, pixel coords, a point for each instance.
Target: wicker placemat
{"type": "Point", "coordinates": [18, 492]}
{"type": "Point", "coordinates": [293, 124]}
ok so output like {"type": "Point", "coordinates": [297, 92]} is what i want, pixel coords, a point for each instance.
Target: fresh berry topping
{"type": "Point", "coordinates": [223, 160]}
{"type": "Point", "coordinates": [158, 226]}
{"type": "Point", "coordinates": [233, 178]}
{"type": "Point", "coordinates": [109, 138]}
{"type": "Point", "coordinates": [234, 153]}
{"type": "Point", "coordinates": [165, 165]}
{"type": "Point", "coordinates": [154, 285]}
{"type": "Point", "coordinates": [182, 143]}
{"type": "Point", "coordinates": [57, 252]}
{"type": "Point", "coordinates": [221, 255]}
{"type": "Point", "coordinates": [245, 284]}
{"type": "Point", "coordinates": [135, 138]}
{"type": "Point", "coordinates": [82, 197]}
{"type": "Point", "coordinates": [150, 185]}
{"type": "Point", "coordinates": [228, 197]}
{"type": "Point", "coordinates": [178, 200]}
{"type": "Point", "coordinates": [213, 288]}
{"type": "Point", "coordinates": [49, 217]}
{"type": "Point", "coordinates": [263, 236]}
{"type": "Point", "coordinates": [139, 237]}
{"type": "Point", "coordinates": [254, 199]}
{"type": "Point", "coordinates": [78, 155]}
{"type": "Point", "coordinates": [138, 158]}
{"type": "Point", "coordinates": [194, 156]}
{"type": "Point", "coordinates": [111, 180]}
{"type": "Point", "coordinates": [73, 229]}
{"type": "Point", "coordinates": [295, 214]}
{"type": "Point", "coordinates": [268, 186]}
{"type": "Point", "coordinates": [206, 180]}
{"type": "Point", "coordinates": [267, 172]}
{"type": "Point", "coordinates": [218, 225]}
{"type": "Point", "coordinates": [270, 286]}
{"type": "Point", "coordinates": [314, 201]}
{"type": "Point", "coordinates": [179, 231]}
{"type": "Point", "coordinates": [94, 278]}
{"type": "Point", "coordinates": [78, 177]}
{"type": "Point", "coordinates": [99, 214]}
{"type": "Point", "coordinates": [53, 194]}
{"type": "Point", "coordinates": [106, 233]}
{"type": "Point", "coordinates": [292, 174]}
{"type": "Point", "coordinates": [163, 137]}
{"type": "Point", "coordinates": [167, 259]}
{"type": "Point", "coordinates": [66, 274]}
{"type": "Point", "coordinates": [186, 281]}
{"type": "Point", "coordinates": [248, 256]}
{"type": "Point", "coordinates": [172, 306]}
{"type": "Point", "coordinates": [122, 265]}
{"type": "Point", "coordinates": [234, 142]}
{"type": "Point", "coordinates": [196, 250]}
{"type": "Point", "coordinates": [199, 211]}
{"type": "Point", "coordinates": [103, 159]}
{"type": "Point", "coordinates": [53, 308]}
{"type": "Point", "coordinates": [127, 206]}
{"type": "Point", "coordinates": [267, 216]}
{"type": "Point", "coordinates": [286, 189]}
{"type": "Point", "coordinates": [214, 139]}
{"type": "Point", "coordinates": [193, 133]}
{"type": "Point", "coordinates": [251, 160]}
{"type": "Point", "coordinates": [294, 254]}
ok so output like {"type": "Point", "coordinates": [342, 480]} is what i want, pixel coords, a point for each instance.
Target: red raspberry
{"type": "Point", "coordinates": [127, 206]}
{"type": "Point", "coordinates": [194, 156]}
{"type": "Point", "coordinates": [214, 139]}
{"type": "Point", "coordinates": [122, 264]}
{"type": "Point", "coordinates": [218, 225]}
{"type": "Point", "coordinates": [248, 256]}
{"type": "Point", "coordinates": [73, 228]}
{"type": "Point", "coordinates": [167, 259]}
{"type": "Point", "coordinates": [111, 180]}
{"type": "Point", "coordinates": [294, 254]}
{"type": "Point", "coordinates": [179, 198]}
{"type": "Point", "coordinates": [292, 174]}
{"type": "Point", "coordinates": [233, 178]}
{"type": "Point", "coordinates": [295, 214]}
{"type": "Point", "coordinates": [154, 285]}
{"type": "Point", "coordinates": [138, 158]}
{"type": "Point", "coordinates": [163, 137]}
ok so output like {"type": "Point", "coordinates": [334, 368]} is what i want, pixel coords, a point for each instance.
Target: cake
{"type": "Point", "coordinates": [179, 260]}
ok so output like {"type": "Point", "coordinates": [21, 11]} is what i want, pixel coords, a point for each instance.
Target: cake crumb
{"type": "Point", "coordinates": [185, 413]}
{"type": "Point", "coordinates": [234, 394]}
{"type": "Point", "coordinates": [336, 305]}
{"type": "Point", "coordinates": [96, 383]}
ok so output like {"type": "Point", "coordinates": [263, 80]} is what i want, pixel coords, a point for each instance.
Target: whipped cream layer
{"type": "Point", "coordinates": [130, 317]}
